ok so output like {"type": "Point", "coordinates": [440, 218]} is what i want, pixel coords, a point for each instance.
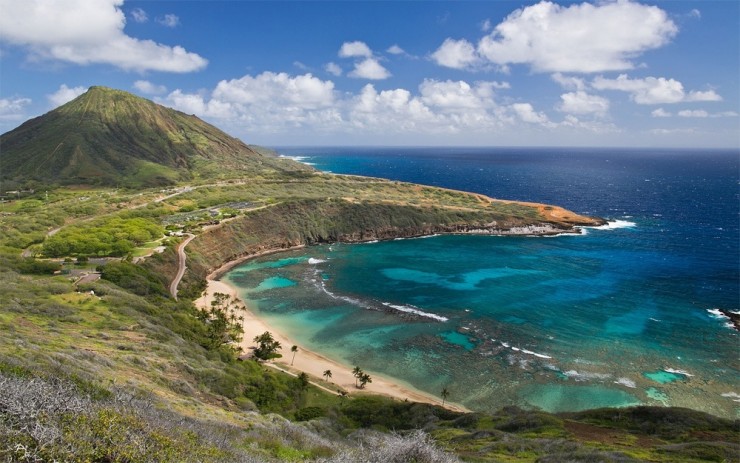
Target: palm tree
{"type": "Point", "coordinates": [303, 380]}
{"type": "Point", "coordinates": [357, 372]}
{"type": "Point", "coordinates": [293, 349]}
{"type": "Point", "coordinates": [265, 337]}
{"type": "Point", "coordinates": [445, 394]}
{"type": "Point", "coordinates": [267, 348]}
{"type": "Point", "coordinates": [364, 379]}
{"type": "Point", "coordinates": [327, 374]}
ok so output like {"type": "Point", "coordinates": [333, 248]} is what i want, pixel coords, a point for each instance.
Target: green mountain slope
{"type": "Point", "coordinates": [111, 137]}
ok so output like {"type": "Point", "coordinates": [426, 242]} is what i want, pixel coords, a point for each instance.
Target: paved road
{"type": "Point", "coordinates": [180, 264]}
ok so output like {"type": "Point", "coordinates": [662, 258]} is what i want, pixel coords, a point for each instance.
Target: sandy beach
{"type": "Point", "coordinates": [311, 362]}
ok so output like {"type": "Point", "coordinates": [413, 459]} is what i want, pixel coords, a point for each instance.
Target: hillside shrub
{"type": "Point", "coordinates": [134, 278]}
{"type": "Point", "coordinates": [103, 237]}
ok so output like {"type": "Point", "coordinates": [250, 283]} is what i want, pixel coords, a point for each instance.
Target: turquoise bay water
{"type": "Point", "coordinates": [614, 317]}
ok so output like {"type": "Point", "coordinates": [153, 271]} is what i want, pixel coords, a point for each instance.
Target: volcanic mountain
{"type": "Point", "coordinates": [111, 137]}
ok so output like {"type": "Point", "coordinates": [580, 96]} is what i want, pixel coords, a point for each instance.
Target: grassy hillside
{"type": "Point", "coordinates": [111, 137]}
{"type": "Point", "coordinates": [117, 376]}
{"type": "Point", "coordinates": [126, 373]}
{"type": "Point", "coordinates": [98, 363]}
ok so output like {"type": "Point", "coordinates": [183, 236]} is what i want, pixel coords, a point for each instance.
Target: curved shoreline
{"type": "Point", "coordinates": [532, 230]}
{"type": "Point", "coordinates": [560, 222]}
{"type": "Point", "coordinates": [306, 360]}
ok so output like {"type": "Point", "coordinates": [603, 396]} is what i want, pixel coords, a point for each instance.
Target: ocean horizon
{"type": "Point", "coordinates": [620, 315]}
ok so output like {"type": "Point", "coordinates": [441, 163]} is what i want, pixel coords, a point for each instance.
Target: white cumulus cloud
{"type": "Point", "coordinates": [11, 109]}
{"type": "Point", "coordinates": [300, 65]}
{"type": "Point", "coordinates": [653, 90]}
{"type": "Point", "coordinates": [398, 111]}
{"type": "Point", "coordinates": [333, 69]}
{"type": "Point", "coordinates": [65, 94]}
{"type": "Point", "coordinates": [280, 105]}
{"type": "Point", "coordinates": [707, 95]}
{"type": "Point", "coordinates": [169, 20]}
{"type": "Point", "coordinates": [580, 102]}
{"type": "Point", "coordinates": [87, 32]}
{"type": "Point", "coordinates": [583, 38]}
{"type": "Point", "coordinates": [395, 50]}
{"type": "Point", "coordinates": [355, 49]}
{"type": "Point", "coordinates": [369, 68]}
{"type": "Point", "coordinates": [456, 54]}
{"type": "Point", "coordinates": [527, 113]}
{"type": "Point", "coordinates": [304, 91]}
{"type": "Point", "coordinates": [660, 112]}
{"type": "Point", "coordinates": [366, 68]}
{"type": "Point", "coordinates": [460, 95]}
{"type": "Point", "coordinates": [139, 15]}
{"type": "Point", "coordinates": [569, 82]}
{"type": "Point", "coordinates": [265, 103]}
{"type": "Point", "coordinates": [148, 88]}
{"type": "Point", "coordinates": [693, 113]}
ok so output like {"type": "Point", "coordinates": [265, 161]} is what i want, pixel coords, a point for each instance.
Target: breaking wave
{"type": "Point", "coordinates": [416, 311]}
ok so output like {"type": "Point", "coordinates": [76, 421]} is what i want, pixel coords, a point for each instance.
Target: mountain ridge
{"type": "Point", "coordinates": [111, 137]}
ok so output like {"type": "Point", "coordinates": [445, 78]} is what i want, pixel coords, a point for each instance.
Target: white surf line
{"type": "Point", "coordinates": [416, 311]}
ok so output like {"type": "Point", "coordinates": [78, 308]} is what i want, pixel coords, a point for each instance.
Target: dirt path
{"type": "Point", "coordinates": [180, 264]}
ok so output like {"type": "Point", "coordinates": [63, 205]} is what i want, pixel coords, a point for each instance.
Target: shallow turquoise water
{"type": "Point", "coordinates": [537, 322]}
{"type": "Point", "coordinates": [274, 282]}
{"type": "Point", "coordinates": [664, 377]}
{"type": "Point", "coordinates": [563, 323]}
{"type": "Point", "coordinates": [458, 339]}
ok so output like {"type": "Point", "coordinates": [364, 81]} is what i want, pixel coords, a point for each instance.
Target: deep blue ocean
{"type": "Point", "coordinates": [620, 315]}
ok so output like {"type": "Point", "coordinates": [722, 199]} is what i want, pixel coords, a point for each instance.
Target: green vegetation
{"type": "Point", "coordinates": [445, 394]}
{"type": "Point", "coordinates": [110, 137]}
{"type": "Point", "coordinates": [267, 347]}
{"type": "Point", "coordinates": [223, 322]}
{"type": "Point", "coordinates": [116, 370]}
{"type": "Point", "coordinates": [294, 350]}
{"type": "Point", "coordinates": [109, 237]}
{"type": "Point", "coordinates": [133, 278]}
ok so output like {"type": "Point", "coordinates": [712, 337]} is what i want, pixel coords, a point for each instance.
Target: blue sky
{"type": "Point", "coordinates": [279, 73]}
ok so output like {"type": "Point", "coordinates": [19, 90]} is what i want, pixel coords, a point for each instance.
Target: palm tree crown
{"type": "Point", "coordinates": [293, 349]}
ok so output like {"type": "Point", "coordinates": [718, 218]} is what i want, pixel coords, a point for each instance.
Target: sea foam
{"type": "Point", "coordinates": [416, 311]}
{"type": "Point", "coordinates": [301, 159]}
{"type": "Point", "coordinates": [359, 303]}
{"type": "Point", "coordinates": [677, 372]}
{"type": "Point", "coordinates": [626, 382]}
{"type": "Point", "coordinates": [615, 224]}
{"type": "Point", "coordinates": [523, 351]}
{"type": "Point", "coordinates": [719, 315]}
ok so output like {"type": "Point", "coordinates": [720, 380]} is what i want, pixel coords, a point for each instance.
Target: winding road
{"type": "Point", "coordinates": [180, 264]}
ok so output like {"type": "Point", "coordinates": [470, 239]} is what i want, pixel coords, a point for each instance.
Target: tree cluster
{"type": "Point", "coordinates": [361, 378]}
{"type": "Point", "coordinates": [113, 237]}
{"type": "Point", "coordinates": [267, 347]}
{"type": "Point", "coordinates": [224, 324]}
